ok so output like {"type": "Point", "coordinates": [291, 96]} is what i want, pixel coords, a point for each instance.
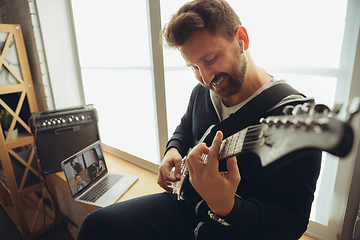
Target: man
{"type": "Point", "coordinates": [78, 167]}
{"type": "Point", "coordinates": [79, 184]}
{"type": "Point", "coordinates": [243, 200]}
{"type": "Point", "coordinates": [97, 167]}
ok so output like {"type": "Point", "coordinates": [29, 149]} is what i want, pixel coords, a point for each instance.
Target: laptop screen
{"type": "Point", "coordinates": [84, 168]}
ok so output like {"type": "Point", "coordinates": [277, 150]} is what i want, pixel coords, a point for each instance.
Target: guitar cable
{"type": "Point", "coordinates": [41, 173]}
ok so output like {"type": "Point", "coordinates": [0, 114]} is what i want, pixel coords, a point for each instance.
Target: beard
{"type": "Point", "coordinates": [235, 80]}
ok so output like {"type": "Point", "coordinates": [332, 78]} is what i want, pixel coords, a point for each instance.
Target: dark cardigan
{"type": "Point", "coordinates": [275, 201]}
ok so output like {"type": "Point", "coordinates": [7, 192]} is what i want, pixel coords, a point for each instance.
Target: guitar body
{"type": "Point", "coordinates": [186, 191]}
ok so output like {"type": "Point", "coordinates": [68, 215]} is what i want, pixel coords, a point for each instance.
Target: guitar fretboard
{"type": "Point", "coordinates": [232, 145]}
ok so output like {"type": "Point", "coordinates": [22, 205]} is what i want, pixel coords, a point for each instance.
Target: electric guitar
{"type": "Point", "coordinates": [280, 137]}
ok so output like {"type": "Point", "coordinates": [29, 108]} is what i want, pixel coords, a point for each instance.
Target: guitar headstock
{"type": "Point", "coordinates": [305, 128]}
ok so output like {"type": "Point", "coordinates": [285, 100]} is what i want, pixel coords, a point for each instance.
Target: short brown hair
{"type": "Point", "coordinates": [216, 16]}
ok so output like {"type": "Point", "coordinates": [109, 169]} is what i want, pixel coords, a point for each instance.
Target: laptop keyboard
{"type": "Point", "coordinates": [101, 187]}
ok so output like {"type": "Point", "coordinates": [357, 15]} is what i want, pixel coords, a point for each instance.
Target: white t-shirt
{"type": "Point", "coordinates": [224, 112]}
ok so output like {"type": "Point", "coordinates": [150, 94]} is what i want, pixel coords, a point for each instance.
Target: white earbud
{"type": "Point", "coordinates": [242, 46]}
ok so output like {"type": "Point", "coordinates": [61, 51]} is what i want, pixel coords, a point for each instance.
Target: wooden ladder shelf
{"type": "Point", "coordinates": [22, 188]}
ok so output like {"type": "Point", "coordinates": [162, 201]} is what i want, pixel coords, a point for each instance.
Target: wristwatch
{"type": "Point", "coordinates": [234, 212]}
{"type": "Point", "coordinates": [218, 219]}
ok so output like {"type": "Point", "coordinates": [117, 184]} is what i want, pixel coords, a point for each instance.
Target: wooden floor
{"type": "Point", "coordinates": [306, 238]}
{"type": "Point", "coordinates": [8, 230]}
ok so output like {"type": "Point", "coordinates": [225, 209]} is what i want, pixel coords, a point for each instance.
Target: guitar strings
{"type": "Point", "coordinates": [251, 138]}
{"type": "Point", "coordinates": [240, 141]}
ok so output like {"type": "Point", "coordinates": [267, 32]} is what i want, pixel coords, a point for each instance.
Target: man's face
{"type": "Point", "coordinates": [78, 180]}
{"type": "Point", "coordinates": [217, 62]}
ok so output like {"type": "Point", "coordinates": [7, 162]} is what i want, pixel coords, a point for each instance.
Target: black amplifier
{"type": "Point", "coordinates": [61, 133]}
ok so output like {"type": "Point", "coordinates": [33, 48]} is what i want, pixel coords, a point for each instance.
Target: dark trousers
{"type": "Point", "coordinates": [158, 216]}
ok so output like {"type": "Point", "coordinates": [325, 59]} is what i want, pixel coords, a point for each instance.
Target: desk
{"type": "Point", "coordinates": [146, 184]}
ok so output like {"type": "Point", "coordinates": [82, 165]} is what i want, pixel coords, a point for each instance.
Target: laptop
{"type": "Point", "coordinates": [89, 180]}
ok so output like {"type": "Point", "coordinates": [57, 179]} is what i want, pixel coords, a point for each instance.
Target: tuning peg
{"type": "Point", "coordinates": [322, 108]}
{"type": "Point", "coordinates": [288, 110]}
{"type": "Point", "coordinates": [306, 107]}
{"type": "Point", "coordinates": [353, 108]}
{"type": "Point", "coordinates": [337, 107]}
{"type": "Point", "coordinates": [285, 121]}
{"type": "Point", "coordinates": [297, 109]}
{"type": "Point", "coordinates": [298, 121]}
{"type": "Point", "coordinates": [271, 121]}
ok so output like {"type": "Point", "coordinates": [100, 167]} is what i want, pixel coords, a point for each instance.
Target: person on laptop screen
{"type": "Point", "coordinates": [98, 163]}
{"type": "Point", "coordinates": [78, 167]}
{"type": "Point", "coordinates": [97, 167]}
{"type": "Point", "coordinates": [95, 185]}
{"type": "Point", "coordinates": [79, 184]}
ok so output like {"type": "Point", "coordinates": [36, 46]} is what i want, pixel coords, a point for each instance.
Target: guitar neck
{"type": "Point", "coordinates": [233, 145]}
{"type": "Point", "coordinates": [277, 137]}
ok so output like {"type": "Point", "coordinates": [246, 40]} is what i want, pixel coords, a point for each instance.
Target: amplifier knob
{"type": "Point", "coordinates": [76, 118]}
{"type": "Point", "coordinates": [44, 124]}
{"type": "Point", "coordinates": [70, 120]}
{"type": "Point", "coordinates": [49, 123]}
{"type": "Point", "coordinates": [82, 118]}
{"type": "Point", "coordinates": [63, 120]}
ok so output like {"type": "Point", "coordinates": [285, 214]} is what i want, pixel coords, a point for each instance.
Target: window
{"type": "Point", "coordinates": [179, 79]}
{"type": "Point", "coordinates": [114, 52]}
